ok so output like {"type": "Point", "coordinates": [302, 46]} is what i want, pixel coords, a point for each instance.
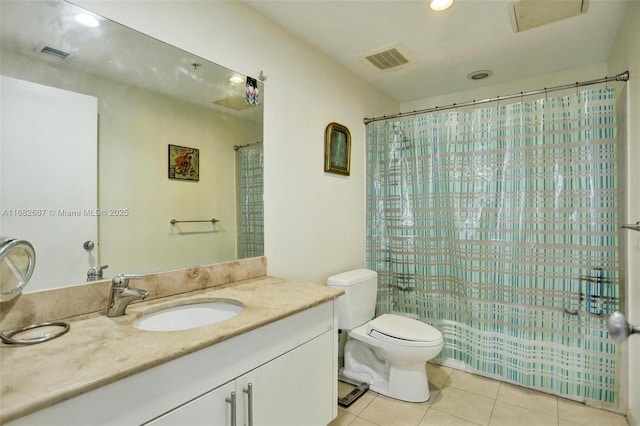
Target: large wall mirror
{"type": "Point", "coordinates": [108, 135]}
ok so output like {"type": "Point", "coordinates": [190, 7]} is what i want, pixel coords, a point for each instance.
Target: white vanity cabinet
{"type": "Point", "coordinates": [294, 389]}
{"type": "Point", "coordinates": [291, 365]}
{"type": "Point", "coordinates": [212, 408]}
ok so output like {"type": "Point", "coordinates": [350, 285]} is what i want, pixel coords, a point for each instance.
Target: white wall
{"type": "Point", "coordinates": [486, 90]}
{"type": "Point", "coordinates": [314, 222]}
{"type": "Point", "coordinates": [626, 56]}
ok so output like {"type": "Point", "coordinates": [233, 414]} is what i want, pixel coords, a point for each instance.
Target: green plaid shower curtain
{"type": "Point", "coordinates": [497, 225]}
{"type": "Point", "coordinates": [250, 189]}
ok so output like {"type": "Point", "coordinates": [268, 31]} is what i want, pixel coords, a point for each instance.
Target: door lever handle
{"type": "Point", "coordinates": [619, 328]}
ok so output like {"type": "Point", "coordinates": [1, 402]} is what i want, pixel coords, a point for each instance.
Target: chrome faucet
{"type": "Point", "coordinates": [95, 273]}
{"type": "Point", "coordinates": [121, 294]}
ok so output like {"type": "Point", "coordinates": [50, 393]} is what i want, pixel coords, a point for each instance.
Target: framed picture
{"type": "Point", "coordinates": [184, 163]}
{"type": "Point", "coordinates": [337, 149]}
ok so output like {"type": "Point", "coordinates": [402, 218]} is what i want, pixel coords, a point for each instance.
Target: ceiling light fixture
{"type": "Point", "coordinates": [440, 5]}
{"type": "Point", "coordinates": [236, 79]}
{"type": "Point", "coordinates": [480, 75]}
{"type": "Point", "coordinates": [87, 20]}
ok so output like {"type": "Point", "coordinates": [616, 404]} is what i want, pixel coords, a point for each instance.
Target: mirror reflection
{"type": "Point", "coordinates": [89, 115]}
{"type": "Point", "coordinates": [17, 262]}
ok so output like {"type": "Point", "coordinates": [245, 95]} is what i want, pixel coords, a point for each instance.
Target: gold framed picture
{"type": "Point", "coordinates": [337, 149]}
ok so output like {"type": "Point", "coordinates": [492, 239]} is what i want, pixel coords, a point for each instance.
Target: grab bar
{"type": "Point", "coordinates": [633, 227]}
{"type": "Point", "coordinates": [173, 221]}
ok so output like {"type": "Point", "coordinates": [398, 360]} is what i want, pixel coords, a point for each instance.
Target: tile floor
{"type": "Point", "coordinates": [464, 399]}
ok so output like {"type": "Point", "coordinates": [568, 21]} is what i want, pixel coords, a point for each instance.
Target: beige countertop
{"type": "Point", "coordinates": [99, 350]}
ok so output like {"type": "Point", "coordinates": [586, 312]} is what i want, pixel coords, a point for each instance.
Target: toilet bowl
{"type": "Point", "coordinates": [394, 364]}
{"type": "Point", "coordinates": [389, 352]}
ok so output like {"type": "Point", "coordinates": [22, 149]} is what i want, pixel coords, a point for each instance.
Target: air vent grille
{"type": "Point", "coordinates": [55, 52]}
{"type": "Point", "coordinates": [527, 14]}
{"type": "Point", "coordinates": [387, 59]}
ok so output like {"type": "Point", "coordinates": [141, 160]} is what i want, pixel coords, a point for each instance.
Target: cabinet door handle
{"type": "Point", "coordinates": [232, 400]}
{"type": "Point", "coordinates": [249, 392]}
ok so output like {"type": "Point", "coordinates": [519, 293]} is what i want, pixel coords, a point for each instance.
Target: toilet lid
{"type": "Point", "coordinates": [404, 328]}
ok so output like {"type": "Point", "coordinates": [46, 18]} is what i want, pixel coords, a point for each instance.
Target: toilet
{"type": "Point", "coordinates": [388, 352]}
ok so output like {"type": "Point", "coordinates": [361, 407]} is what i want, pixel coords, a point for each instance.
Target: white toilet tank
{"type": "Point", "coordinates": [358, 304]}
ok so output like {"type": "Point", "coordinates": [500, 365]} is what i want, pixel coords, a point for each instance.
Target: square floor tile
{"type": "Point", "coordinates": [562, 422]}
{"type": "Point", "coordinates": [467, 405]}
{"type": "Point", "coordinates": [585, 415]}
{"type": "Point", "coordinates": [359, 421]}
{"type": "Point", "coordinates": [473, 383]}
{"type": "Point", "coordinates": [463, 399]}
{"type": "Point", "coordinates": [509, 415]}
{"type": "Point", "coordinates": [388, 412]}
{"type": "Point", "coordinates": [528, 398]}
{"type": "Point", "coordinates": [343, 419]}
{"type": "Point", "coordinates": [436, 418]}
{"type": "Point", "coordinates": [437, 375]}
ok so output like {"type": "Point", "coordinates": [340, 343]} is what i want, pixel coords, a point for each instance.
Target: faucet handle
{"type": "Point", "coordinates": [122, 280]}
{"type": "Point", "coordinates": [97, 269]}
{"type": "Point", "coordinates": [95, 273]}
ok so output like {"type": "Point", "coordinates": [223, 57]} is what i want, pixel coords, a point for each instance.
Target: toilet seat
{"type": "Point", "coordinates": [401, 342]}
{"type": "Point", "coordinates": [399, 331]}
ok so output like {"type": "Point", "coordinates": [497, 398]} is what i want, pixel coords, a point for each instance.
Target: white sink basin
{"type": "Point", "coordinates": [185, 317]}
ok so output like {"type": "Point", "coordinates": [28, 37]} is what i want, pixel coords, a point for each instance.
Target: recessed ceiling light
{"type": "Point", "coordinates": [440, 5]}
{"type": "Point", "coordinates": [87, 20]}
{"type": "Point", "coordinates": [480, 75]}
{"type": "Point", "coordinates": [236, 79]}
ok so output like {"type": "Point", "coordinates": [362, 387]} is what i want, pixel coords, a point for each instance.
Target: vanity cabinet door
{"type": "Point", "coordinates": [294, 389]}
{"type": "Point", "coordinates": [210, 409]}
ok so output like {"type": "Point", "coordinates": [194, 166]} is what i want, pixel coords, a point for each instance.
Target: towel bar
{"type": "Point", "coordinates": [173, 221]}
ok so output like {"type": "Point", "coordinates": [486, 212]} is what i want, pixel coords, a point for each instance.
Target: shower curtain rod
{"type": "Point", "coordinates": [620, 77]}
{"type": "Point", "coordinates": [237, 147]}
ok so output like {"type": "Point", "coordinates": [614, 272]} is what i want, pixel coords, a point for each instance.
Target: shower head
{"type": "Point", "coordinates": [619, 328]}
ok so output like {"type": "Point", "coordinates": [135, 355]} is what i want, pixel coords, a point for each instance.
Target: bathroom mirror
{"type": "Point", "coordinates": [115, 202]}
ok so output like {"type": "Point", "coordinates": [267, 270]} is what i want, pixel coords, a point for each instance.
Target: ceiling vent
{"type": "Point", "coordinates": [388, 58]}
{"type": "Point", "coordinates": [60, 54]}
{"type": "Point", "coordinates": [527, 14]}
